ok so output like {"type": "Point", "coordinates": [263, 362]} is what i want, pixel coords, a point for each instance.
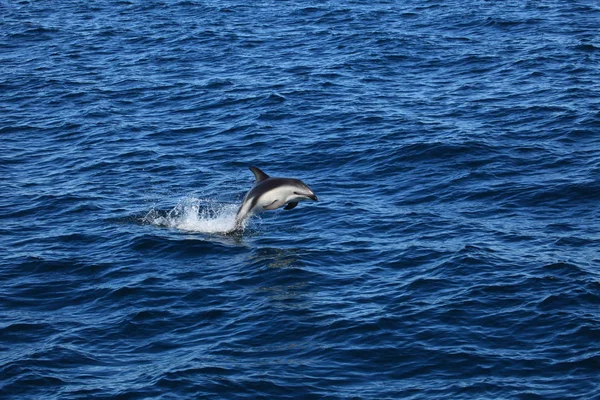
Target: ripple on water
{"type": "Point", "coordinates": [453, 147]}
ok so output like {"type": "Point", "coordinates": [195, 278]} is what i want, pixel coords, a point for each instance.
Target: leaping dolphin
{"type": "Point", "coordinates": [271, 193]}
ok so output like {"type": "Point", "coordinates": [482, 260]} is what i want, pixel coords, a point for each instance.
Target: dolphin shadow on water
{"type": "Point", "coordinates": [269, 194]}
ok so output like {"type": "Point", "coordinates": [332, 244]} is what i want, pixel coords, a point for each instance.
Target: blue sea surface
{"type": "Point", "coordinates": [454, 250]}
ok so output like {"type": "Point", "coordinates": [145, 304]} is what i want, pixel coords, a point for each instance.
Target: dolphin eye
{"type": "Point", "coordinates": [297, 193]}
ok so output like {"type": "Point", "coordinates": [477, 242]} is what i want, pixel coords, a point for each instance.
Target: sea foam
{"type": "Point", "coordinates": [193, 214]}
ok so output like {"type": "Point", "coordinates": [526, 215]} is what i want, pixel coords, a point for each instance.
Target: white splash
{"type": "Point", "coordinates": [196, 215]}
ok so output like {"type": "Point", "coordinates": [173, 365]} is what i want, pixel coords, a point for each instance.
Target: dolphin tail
{"type": "Point", "coordinates": [240, 218]}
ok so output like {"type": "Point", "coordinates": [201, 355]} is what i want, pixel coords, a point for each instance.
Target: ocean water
{"type": "Point", "coordinates": [454, 147]}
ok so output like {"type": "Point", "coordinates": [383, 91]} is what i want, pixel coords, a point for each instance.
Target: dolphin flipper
{"type": "Point", "coordinates": [291, 205]}
{"type": "Point", "coordinates": [259, 174]}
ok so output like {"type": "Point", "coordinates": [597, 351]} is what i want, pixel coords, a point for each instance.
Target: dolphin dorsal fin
{"type": "Point", "coordinates": [258, 174]}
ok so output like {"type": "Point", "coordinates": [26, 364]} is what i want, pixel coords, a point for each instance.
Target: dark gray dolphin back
{"type": "Point", "coordinates": [258, 174]}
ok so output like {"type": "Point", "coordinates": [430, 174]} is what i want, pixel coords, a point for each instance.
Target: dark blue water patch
{"type": "Point", "coordinates": [453, 148]}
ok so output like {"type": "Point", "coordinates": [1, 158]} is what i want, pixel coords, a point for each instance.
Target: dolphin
{"type": "Point", "coordinates": [271, 193]}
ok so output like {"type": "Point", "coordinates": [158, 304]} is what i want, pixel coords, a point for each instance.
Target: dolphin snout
{"type": "Point", "coordinates": [314, 197]}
